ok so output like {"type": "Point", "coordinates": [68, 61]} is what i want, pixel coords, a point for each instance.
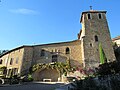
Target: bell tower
{"type": "Point", "coordinates": [95, 31]}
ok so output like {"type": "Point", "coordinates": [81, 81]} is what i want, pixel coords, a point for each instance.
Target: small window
{"type": "Point", "coordinates": [67, 50]}
{"type": "Point", "coordinates": [96, 38]}
{"type": "Point", "coordinates": [1, 61]}
{"type": "Point", "coordinates": [15, 71]}
{"type": "Point", "coordinates": [5, 70]}
{"type": "Point", "coordinates": [89, 16]}
{"type": "Point", "coordinates": [10, 72]}
{"type": "Point", "coordinates": [17, 59]}
{"type": "Point", "coordinates": [54, 58]}
{"type": "Point", "coordinates": [100, 16]}
{"type": "Point", "coordinates": [11, 61]}
{"type": "Point", "coordinates": [42, 53]}
{"type": "Point", "coordinates": [90, 44]}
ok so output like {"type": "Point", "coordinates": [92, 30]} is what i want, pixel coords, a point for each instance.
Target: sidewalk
{"type": "Point", "coordinates": [25, 83]}
{"type": "Point", "coordinates": [64, 87]}
{"type": "Point", "coordinates": [6, 85]}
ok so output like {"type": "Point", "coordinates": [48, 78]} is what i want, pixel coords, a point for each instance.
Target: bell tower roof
{"type": "Point", "coordinates": [91, 11]}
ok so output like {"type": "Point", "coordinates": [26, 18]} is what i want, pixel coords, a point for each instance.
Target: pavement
{"type": "Point", "coordinates": [36, 86]}
{"type": "Point", "coordinates": [64, 87]}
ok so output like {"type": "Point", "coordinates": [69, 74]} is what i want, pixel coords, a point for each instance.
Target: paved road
{"type": "Point", "coordinates": [32, 86]}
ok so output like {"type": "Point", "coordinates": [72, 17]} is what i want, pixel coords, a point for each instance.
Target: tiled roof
{"type": "Point", "coordinates": [116, 38]}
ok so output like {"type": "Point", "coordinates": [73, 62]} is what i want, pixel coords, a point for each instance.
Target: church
{"type": "Point", "coordinates": [82, 52]}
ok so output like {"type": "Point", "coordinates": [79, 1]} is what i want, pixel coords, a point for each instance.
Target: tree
{"type": "Point", "coordinates": [103, 58]}
{"type": "Point", "coordinates": [3, 51]}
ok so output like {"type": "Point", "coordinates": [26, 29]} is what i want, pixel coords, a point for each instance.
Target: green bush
{"type": "Point", "coordinates": [14, 79]}
{"type": "Point", "coordinates": [27, 78]}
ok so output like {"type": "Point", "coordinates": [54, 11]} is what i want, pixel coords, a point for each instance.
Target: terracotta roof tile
{"type": "Point", "coordinates": [116, 38]}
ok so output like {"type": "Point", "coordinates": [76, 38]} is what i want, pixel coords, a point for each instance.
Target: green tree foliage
{"type": "Point", "coordinates": [103, 58]}
{"type": "Point", "coordinates": [3, 71]}
{"type": "Point", "coordinates": [62, 68]}
{"type": "Point", "coordinates": [3, 51]}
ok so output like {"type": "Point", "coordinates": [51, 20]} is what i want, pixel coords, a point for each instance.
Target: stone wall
{"type": "Point", "coordinates": [30, 55]}
{"type": "Point", "coordinates": [16, 56]}
{"type": "Point", "coordinates": [27, 59]}
{"type": "Point", "coordinates": [96, 27]}
{"type": "Point", "coordinates": [59, 49]}
{"type": "Point", "coordinates": [117, 42]}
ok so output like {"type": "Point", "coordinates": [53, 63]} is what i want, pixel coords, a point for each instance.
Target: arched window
{"type": "Point", "coordinates": [42, 53]}
{"type": "Point", "coordinates": [100, 16]}
{"type": "Point", "coordinates": [1, 61]}
{"type": "Point", "coordinates": [67, 50]}
{"type": "Point", "coordinates": [89, 16]}
{"type": "Point", "coordinates": [96, 38]}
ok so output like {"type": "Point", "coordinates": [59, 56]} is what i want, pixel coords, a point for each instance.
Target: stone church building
{"type": "Point", "coordinates": [84, 51]}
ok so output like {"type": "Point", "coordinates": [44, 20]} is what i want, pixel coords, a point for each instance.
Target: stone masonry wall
{"type": "Point", "coordinates": [59, 49]}
{"type": "Point", "coordinates": [98, 27]}
{"type": "Point", "coordinates": [27, 59]}
{"type": "Point", "coordinates": [14, 55]}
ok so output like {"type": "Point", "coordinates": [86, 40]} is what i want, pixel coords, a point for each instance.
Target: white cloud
{"type": "Point", "coordinates": [23, 11]}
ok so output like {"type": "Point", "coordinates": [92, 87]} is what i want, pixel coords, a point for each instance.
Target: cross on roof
{"type": "Point", "coordinates": [90, 7]}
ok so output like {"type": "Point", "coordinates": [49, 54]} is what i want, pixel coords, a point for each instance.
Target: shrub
{"type": "Point", "coordinates": [14, 79]}
{"type": "Point", "coordinates": [27, 78]}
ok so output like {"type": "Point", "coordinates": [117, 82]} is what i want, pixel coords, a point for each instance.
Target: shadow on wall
{"type": "Point", "coordinates": [117, 52]}
{"type": "Point", "coordinates": [46, 75]}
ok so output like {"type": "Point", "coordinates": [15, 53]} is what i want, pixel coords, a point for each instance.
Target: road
{"type": "Point", "coordinates": [32, 86]}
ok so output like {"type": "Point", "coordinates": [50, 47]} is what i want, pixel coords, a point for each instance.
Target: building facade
{"type": "Point", "coordinates": [82, 52]}
{"type": "Point", "coordinates": [116, 40]}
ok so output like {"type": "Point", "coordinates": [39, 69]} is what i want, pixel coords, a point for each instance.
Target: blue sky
{"type": "Point", "coordinates": [29, 22]}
